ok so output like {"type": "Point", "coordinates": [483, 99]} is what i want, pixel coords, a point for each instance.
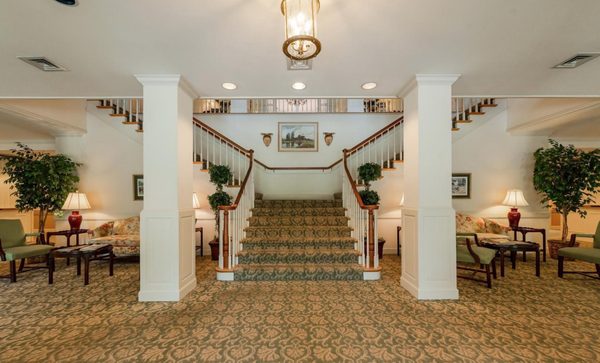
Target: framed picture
{"type": "Point", "coordinates": [298, 136]}
{"type": "Point", "coordinates": [461, 185]}
{"type": "Point", "coordinates": [138, 187]}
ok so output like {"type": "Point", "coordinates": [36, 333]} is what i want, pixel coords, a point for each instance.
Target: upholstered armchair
{"type": "Point", "coordinates": [591, 255]}
{"type": "Point", "coordinates": [467, 253]}
{"type": "Point", "coordinates": [13, 245]}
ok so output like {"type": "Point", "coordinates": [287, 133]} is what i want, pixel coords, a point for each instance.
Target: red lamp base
{"type": "Point", "coordinates": [75, 220]}
{"type": "Point", "coordinates": [513, 218]}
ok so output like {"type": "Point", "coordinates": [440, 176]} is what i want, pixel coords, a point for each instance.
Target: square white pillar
{"type": "Point", "coordinates": [428, 219]}
{"type": "Point", "coordinates": [167, 256]}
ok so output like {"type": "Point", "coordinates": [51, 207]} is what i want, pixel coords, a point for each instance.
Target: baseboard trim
{"type": "Point", "coordinates": [225, 276]}
{"type": "Point", "coordinates": [167, 295]}
{"type": "Point", "coordinates": [371, 275]}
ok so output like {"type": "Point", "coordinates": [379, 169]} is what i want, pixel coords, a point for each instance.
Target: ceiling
{"type": "Point", "coordinates": [500, 47]}
{"type": "Point", "coordinates": [14, 127]}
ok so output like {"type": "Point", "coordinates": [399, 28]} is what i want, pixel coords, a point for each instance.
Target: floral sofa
{"type": "Point", "coordinates": [123, 234]}
{"type": "Point", "coordinates": [482, 227]}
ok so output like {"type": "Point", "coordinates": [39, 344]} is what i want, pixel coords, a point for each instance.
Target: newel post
{"type": "Point", "coordinates": [225, 239]}
{"type": "Point", "coordinates": [371, 238]}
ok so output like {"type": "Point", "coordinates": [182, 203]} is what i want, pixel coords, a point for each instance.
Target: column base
{"type": "Point", "coordinates": [428, 294]}
{"type": "Point", "coordinates": [167, 295]}
{"type": "Point", "coordinates": [371, 275]}
{"type": "Point", "coordinates": [225, 276]}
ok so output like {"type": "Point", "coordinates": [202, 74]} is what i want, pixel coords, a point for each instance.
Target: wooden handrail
{"type": "Point", "coordinates": [353, 184]}
{"type": "Point", "coordinates": [376, 135]}
{"type": "Point", "coordinates": [219, 135]}
{"type": "Point", "coordinates": [274, 168]}
{"type": "Point", "coordinates": [235, 204]}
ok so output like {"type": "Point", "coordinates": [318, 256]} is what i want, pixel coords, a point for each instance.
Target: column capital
{"type": "Point", "coordinates": [429, 79]}
{"type": "Point", "coordinates": [166, 79]}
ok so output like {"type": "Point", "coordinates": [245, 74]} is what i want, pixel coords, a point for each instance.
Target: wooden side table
{"type": "Point", "coordinates": [68, 233]}
{"type": "Point", "coordinates": [398, 229]}
{"type": "Point", "coordinates": [201, 247]}
{"type": "Point", "coordinates": [524, 231]}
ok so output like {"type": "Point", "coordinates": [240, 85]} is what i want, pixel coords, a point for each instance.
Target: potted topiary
{"type": "Point", "coordinates": [220, 175]}
{"type": "Point", "coordinates": [39, 180]}
{"type": "Point", "coordinates": [567, 179]}
{"type": "Point", "coordinates": [368, 173]}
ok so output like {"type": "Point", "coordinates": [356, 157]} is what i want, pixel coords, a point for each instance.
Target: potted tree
{"type": "Point", "coordinates": [369, 172]}
{"type": "Point", "coordinates": [39, 180]}
{"type": "Point", "coordinates": [567, 179]}
{"type": "Point", "coordinates": [220, 175]}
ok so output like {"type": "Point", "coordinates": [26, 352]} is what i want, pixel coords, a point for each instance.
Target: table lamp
{"type": "Point", "coordinates": [75, 202]}
{"type": "Point", "coordinates": [514, 198]}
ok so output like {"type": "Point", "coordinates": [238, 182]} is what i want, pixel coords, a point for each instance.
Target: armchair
{"type": "Point", "coordinates": [467, 253]}
{"type": "Point", "coordinates": [591, 255]}
{"type": "Point", "coordinates": [13, 246]}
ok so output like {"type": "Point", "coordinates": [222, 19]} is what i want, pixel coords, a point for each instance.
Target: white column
{"type": "Point", "coordinates": [167, 257]}
{"type": "Point", "coordinates": [429, 242]}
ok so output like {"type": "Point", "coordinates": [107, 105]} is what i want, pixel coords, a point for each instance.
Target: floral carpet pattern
{"type": "Point", "coordinates": [523, 318]}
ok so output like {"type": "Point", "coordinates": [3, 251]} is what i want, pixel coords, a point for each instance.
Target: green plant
{"type": "Point", "coordinates": [39, 180]}
{"type": "Point", "coordinates": [567, 179]}
{"type": "Point", "coordinates": [369, 172]}
{"type": "Point", "coordinates": [218, 199]}
{"type": "Point", "coordinates": [369, 197]}
{"type": "Point", "coordinates": [219, 175]}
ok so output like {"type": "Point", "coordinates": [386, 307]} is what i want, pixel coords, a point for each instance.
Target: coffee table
{"type": "Point", "coordinates": [503, 246]}
{"type": "Point", "coordinates": [87, 253]}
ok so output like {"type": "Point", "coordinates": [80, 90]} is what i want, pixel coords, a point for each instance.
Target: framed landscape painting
{"type": "Point", "coordinates": [298, 136]}
{"type": "Point", "coordinates": [461, 185]}
{"type": "Point", "coordinates": [138, 187]}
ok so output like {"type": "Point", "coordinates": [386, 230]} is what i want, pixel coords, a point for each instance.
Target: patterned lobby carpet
{"type": "Point", "coordinates": [522, 318]}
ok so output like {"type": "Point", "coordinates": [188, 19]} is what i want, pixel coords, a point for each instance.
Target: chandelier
{"type": "Point", "coordinates": [301, 29]}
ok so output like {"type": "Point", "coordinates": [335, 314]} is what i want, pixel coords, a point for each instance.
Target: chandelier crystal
{"type": "Point", "coordinates": [301, 29]}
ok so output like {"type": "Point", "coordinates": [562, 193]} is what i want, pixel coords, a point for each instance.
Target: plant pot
{"type": "Point", "coordinates": [555, 245]}
{"type": "Point", "coordinates": [214, 249]}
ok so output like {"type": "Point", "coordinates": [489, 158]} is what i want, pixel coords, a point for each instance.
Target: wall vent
{"type": "Point", "coordinates": [577, 60]}
{"type": "Point", "coordinates": [43, 63]}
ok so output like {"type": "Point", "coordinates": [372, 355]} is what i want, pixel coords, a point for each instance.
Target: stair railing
{"type": "Point", "coordinates": [213, 148]}
{"type": "Point", "coordinates": [464, 107]}
{"type": "Point", "coordinates": [234, 219]}
{"type": "Point", "coordinates": [129, 108]}
{"type": "Point", "coordinates": [362, 220]}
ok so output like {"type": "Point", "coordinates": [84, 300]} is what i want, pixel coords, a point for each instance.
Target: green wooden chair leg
{"type": "Point", "coordinates": [488, 276]}
{"type": "Point", "coordinates": [13, 271]}
{"type": "Point", "coordinates": [494, 269]}
{"type": "Point", "coordinates": [561, 266]}
{"type": "Point", "coordinates": [22, 265]}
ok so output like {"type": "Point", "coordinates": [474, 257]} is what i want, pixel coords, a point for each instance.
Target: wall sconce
{"type": "Point", "coordinates": [328, 137]}
{"type": "Point", "coordinates": [267, 139]}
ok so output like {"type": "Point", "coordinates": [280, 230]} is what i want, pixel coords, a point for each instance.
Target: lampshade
{"type": "Point", "coordinates": [76, 201]}
{"type": "Point", "coordinates": [195, 202]}
{"type": "Point", "coordinates": [402, 200]}
{"type": "Point", "coordinates": [515, 198]}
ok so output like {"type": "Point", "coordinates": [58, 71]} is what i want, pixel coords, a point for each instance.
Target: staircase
{"type": "Point", "coordinates": [298, 240]}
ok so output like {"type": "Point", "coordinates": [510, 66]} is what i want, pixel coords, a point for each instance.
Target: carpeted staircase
{"type": "Point", "coordinates": [298, 240]}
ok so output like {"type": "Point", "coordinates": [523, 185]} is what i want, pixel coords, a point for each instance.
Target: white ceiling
{"type": "Point", "coordinates": [500, 47]}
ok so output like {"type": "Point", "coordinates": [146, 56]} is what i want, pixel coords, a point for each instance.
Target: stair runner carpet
{"type": "Point", "coordinates": [298, 240]}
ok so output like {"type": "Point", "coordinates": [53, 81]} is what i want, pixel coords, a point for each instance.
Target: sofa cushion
{"type": "Point", "coordinates": [469, 224]}
{"type": "Point", "coordinates": [131, 240]}
{"type": "Point", "coordinates": [580, 253]}
{"type": "Point", "coordinates": [105, 229]}
{"type": "Point", "coordinates": [128, 226]}
{"type": "Point", "coordinates": [16, 253]}
{"type": "Point", "coordinates": [123, 251]}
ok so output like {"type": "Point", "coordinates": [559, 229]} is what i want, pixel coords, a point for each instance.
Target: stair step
{"type": "Point", "coordinates": [488, 105]}
{"type": "Point", "coordinates": [104, 107]}
{"type": "Point", "coordinates": [272, 221]}
{"type": "Point", "coordinates": [285, 243]}
{"type": "Point", "coordinates": [299, 272]}
{"type": "Point", "coordinates": [118, 114]}
{"type": "Point", "coordinates": [464, 121]}
{"type": "Point", "coordinates": [303, 231]}
{"type": "Point", "coordinates": [298, 256]}
{"type": "Point", "coordinates": [476, 113]}
{"type": "Point", "coordinates": [327, 211]}
{"type": "Point", "coordinates": [325, 203]}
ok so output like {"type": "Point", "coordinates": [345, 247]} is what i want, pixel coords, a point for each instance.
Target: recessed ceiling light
{"type": "Point", "coordinates": [369, 85]}
{"type": "Point", "coordinates": [298, 86]}
{"type": "Point", "coordinates": [229, 86]}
